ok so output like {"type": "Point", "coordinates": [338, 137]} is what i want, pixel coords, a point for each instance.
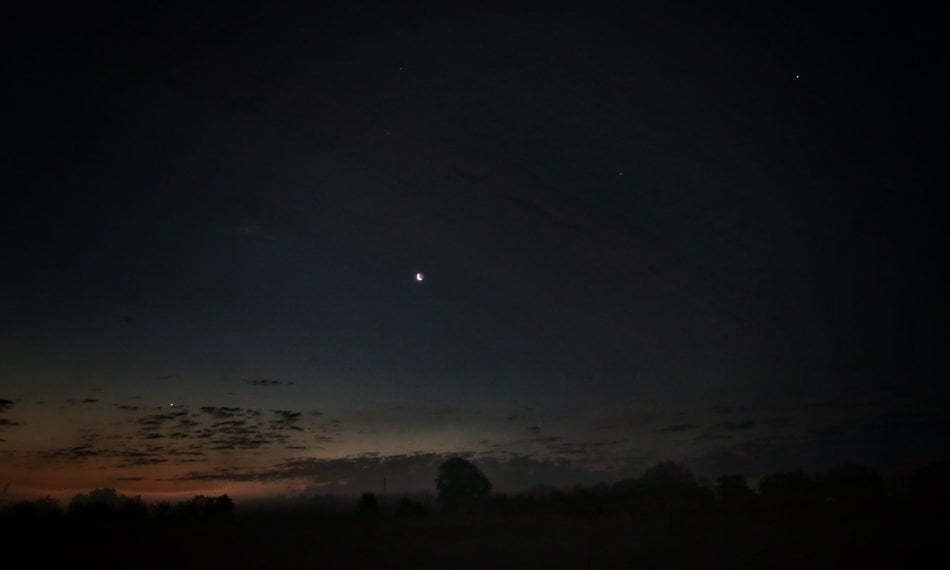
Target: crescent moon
{"type": "Point", "coordinates": [420, 276]}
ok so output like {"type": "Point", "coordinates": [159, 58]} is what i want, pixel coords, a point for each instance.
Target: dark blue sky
{"type": "Point", "coordinates": [647, 231]}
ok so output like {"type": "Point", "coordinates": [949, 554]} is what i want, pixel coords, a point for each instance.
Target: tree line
{"type": "Point", "coordinates": [671, 489]}
{"type": "Point", "coordinates": [107, 505]}
{"type": "Point", "coordinates": [667, 488]}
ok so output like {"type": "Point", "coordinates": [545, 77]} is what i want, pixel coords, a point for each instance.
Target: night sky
{"type": "Point", "coordinates": [648, 231]}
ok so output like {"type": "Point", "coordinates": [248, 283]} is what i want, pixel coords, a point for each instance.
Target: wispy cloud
{"type": "Point", "coordinates": [415, 471]}
{"type": "Point", "coordinates": [5, 406]}
{"type": "Point", "coordinates": [735, 426]}
{"type": "Point", "coordinates": [81, 401]}
{"type": "Point", "coordinates": [680, 427]}
{"type": "Point", "coordinates": [166, 377]}
{"type": "Point", "coordinates": [267, 382]}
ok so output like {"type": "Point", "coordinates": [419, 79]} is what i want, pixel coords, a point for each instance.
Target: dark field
{"type": "Point", "coordinates": [545, 534]}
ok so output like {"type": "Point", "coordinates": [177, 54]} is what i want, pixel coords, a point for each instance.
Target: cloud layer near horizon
{"type": "Point", "coordinates": [176, 446]}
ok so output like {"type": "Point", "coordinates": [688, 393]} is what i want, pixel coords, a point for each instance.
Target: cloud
{"type": "Point", "coordinates": [595, 452]}
{"type": "Point", "coordinates": [124, 320]}
{"type": "Point", "coordinates": [223, 412]}
{"type": "Point", "coordinates": [286, 420]}
{"type": "Point", "coordinates": [254, 230]}
{"type": "Point", "coordinates": [712, 437]}
{"type": "Point", "coordinates": [727, 410]}
{"type": "Point", "coordinates": [736, 426]}
{"type": "Point", "coordinates": [779, 422]}
{"type": "Point", "coordinates": [74, 402]}
{"type": "Point", "coordinates": [680, 427]}
{"type": "Point", "coordinates": [546, 439]}
{"type": "Point", "coordinates": [266, 382]}
{"type": "Point", "coordinates": [417, 471]}
{"type": "Point", "coordinates": [153, 421]}
{"type": "Point", "coordinates": [224, 428]}
{"type": "Point", "coordinates": [181, 435]}
{"type": "Point", "coordinates": [909, 435]}
{"type": "Point", "coordinates": [75, 453]}
{"type": "Point", "coordinates": [5, 406]}
{"type": "Point", "coordinates": [166, 377]}
{"type": "Point", "coordinates": [149, 454]}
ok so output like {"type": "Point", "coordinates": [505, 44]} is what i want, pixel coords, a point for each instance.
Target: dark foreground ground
{"type": "Point", "coordinates": [883, 536]}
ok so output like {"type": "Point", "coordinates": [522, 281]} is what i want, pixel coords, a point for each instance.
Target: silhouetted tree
{"type": "Point", "coordinates": [202, 507]}
{"type": "Point", "coordinates": [48, 506]}
{"type": "Point", "coordinates": [930, 485]}
{"type": "Point", "coordinates": [132, 508]}
{"type": "Point", "coordinates": [98, 505]}
{"type": "Point", "coordinates": [671, 485]}
{"type": "Point", "coordinates": [368, 505]}
{"type": "Point", "coordinates": [106, 504]}
{"type": "Point", "coordinates": [853, 484]}
{"type": "Point", "coordinates": [221, 508]}
{"type": "Point", "coordinates": [792, 488]}
{"type": "Point", "coordinates": [461, 485]}
{"type": "Point", "coordinates": [25, 512]}
{"type": "Point", "coordinates": [409, 508]}
{"type": "Point", "coordinates": [161, 511]}
{"type": "Point", "coordinates": [733, 490]}
{"type": "Point", "coordinates": [668, 473]}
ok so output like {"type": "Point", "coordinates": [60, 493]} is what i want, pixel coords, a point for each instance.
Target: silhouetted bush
{"type": "Point", "coordinates": [461, 485]}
